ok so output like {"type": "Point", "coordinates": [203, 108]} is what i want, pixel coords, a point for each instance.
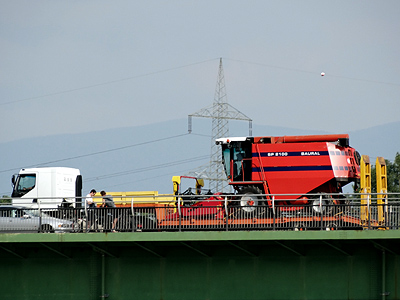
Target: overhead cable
{"type": "Point", "coordinates": [312, 72]}
{"type": "Point", "coordinates": [106, 83]}
{"type": "Point", "coordinates": [147, 168]}
{"type": "Point", "coordinates": [97, 153]}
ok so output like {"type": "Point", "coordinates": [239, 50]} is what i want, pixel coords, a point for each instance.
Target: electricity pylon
{"type": "Point", "coordinates": [220, 112]}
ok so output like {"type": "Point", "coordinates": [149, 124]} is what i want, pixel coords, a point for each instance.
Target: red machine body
{"type": "Point", "coordinates": [293, 172]}
{"type": "Point", "coordinates": [298, 165]}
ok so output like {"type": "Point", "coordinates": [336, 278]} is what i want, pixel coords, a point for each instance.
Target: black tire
{"type": "Point", "coordinates": [46, 228]}
{"type": "Point", "coordinates": [250, 204]}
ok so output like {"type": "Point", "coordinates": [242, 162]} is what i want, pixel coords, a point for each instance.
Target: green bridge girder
{"type": "Point", "coordinates": [202, 265]}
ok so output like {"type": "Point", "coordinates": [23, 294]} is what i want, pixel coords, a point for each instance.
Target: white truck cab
{"type": "Point", "coordinates": [47, 187]}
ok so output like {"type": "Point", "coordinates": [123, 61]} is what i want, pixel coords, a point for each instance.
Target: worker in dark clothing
{"type": "Point", "coordinates": [108, 202]}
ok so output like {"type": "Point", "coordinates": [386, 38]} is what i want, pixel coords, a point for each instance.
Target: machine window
{"type": "Point", "coordinates": [226, 160]}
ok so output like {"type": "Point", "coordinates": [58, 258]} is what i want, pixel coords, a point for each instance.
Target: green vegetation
{"type": "Point", "coordinates": [5, 199]}
{"type": "Point", "coordinates": [393, 175]}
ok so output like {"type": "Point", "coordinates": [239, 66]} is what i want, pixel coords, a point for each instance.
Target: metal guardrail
{"type": "Point", "coordinates": [222, 212]}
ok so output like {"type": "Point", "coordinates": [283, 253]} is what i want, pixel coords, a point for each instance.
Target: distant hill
{"type": "Point", "coordinates": [146, 157]}
{"type": "Point", "coordinates": [376, 141]}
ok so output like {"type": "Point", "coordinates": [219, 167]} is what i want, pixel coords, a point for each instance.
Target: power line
{"type": "Point", "coordinates": [107, 83]}
{"type": "Point", "coordinates": [144, 169]}
{"type": "Point", "coordinates": [312, 72]}
{"type": "Point", "coordinates": [199, 134]}
{"type": "Point", "coordinates": [147, 168]}
{"type": "Point", "coordinates": [269, 66]}
{"type": "Point", "coordinates": [97, 153]}
{"type": "Point", "coordinates": [184, 66]}
{"type": "Point", "coordinates": [152, 177]}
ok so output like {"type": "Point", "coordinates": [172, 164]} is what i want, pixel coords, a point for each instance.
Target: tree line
{"type": "Point", "coordinates": [392, 175]}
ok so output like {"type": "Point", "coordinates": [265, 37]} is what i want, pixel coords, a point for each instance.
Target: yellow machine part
{"type": "Point", "coordinates": [176, 180]}
{"type": "Point", "coordinates": [365, 187]}
{"type": "Point", "coordinates": [381, 188]}
{"type": "Point", "coordinates": [138, 197]}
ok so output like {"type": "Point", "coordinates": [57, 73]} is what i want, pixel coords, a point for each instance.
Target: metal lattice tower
{"type": "Point", "coordinates": [220, 112]}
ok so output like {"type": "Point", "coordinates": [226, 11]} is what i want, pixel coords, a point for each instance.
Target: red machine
{"type": "Point", "coordinates": [300, 165]}
{"type": "Point", "coordinates": [292, 174]}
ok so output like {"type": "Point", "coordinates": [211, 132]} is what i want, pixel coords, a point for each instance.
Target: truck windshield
{"type": "Point", "coordinates": [24, 184]}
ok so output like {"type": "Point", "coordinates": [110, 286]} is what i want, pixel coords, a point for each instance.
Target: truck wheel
{"type": "Point", "coordinates": [251, 205]}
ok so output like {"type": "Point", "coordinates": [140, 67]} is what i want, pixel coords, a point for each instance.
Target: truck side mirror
{"type": "Point", "coordinates": [13, 180]}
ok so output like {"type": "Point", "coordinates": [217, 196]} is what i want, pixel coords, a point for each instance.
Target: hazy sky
{"type": "Point", "coordinates": [79, 66]}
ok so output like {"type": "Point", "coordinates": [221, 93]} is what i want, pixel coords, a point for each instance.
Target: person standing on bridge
{"type": "Point", "coordinates": [89, 199]}
{"type": "Point", "coordinates": [89, 203]}
{"type": "Point", "coordinates": [109, 202]}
